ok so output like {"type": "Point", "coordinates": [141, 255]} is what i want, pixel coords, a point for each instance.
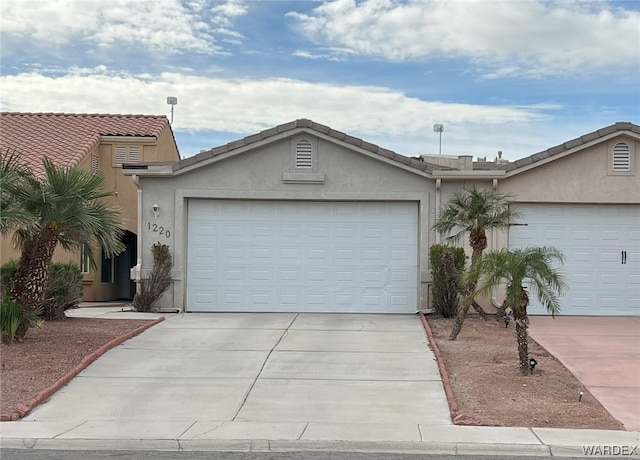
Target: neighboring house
{"type": "Point", "coordinates": [582, 197]}
{"type": "Point", "coordinates": [101, 144]}
{"type": "Point", "coordinates": [301, 217]}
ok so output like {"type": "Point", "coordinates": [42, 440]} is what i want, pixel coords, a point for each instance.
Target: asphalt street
{"type": "Point", "coordinates": [37, 454]}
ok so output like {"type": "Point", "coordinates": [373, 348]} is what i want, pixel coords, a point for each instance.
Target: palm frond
{"type": "Point", "coordinates": [13, 174]}
{"type": "Point", "coordinates": [474, 211]}
{"type": "Point", "coordinates": [534, 265]}
{"type": "Point", "coordinates": [70, 199]}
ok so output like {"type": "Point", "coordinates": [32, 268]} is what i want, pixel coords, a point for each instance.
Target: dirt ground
{"type": "Point", "coordinates": [49, 353]}
{"type": "Point", "coordinates": [483, 368]}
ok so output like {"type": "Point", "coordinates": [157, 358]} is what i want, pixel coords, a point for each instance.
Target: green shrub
{"type": "Point", "coordinates": [13, 317]}
{"type": "Point", "coordinates": [62, 292]}
{"type": "Point", "coordinates": [151, 289]}
{"type": "Point", "coordinates": [7, 272]}
{"type": "Point", "coordinates": [444, 293]}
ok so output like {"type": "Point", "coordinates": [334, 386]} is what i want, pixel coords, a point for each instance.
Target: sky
{"type": "Point", "coordinates": [517, 76]}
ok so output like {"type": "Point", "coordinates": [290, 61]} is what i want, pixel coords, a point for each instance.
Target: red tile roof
{"type": "Point", "coordinates": [67, 138]}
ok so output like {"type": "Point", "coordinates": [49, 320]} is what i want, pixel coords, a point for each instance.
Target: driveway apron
{"type": "Point", "coordinates": [257, 376]}
{"type": "Point", "coordinates": [603, 353]}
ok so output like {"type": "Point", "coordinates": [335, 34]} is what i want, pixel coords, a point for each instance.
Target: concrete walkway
{"type": "Point", "coordinates": [274, 382]}
{"type": "Point", "coordinates": [603, 353]}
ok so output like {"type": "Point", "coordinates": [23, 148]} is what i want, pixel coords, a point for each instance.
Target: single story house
{"type": "Point", "coordinates": [99, 143]}
{"type": "Point", "coordinates": [301, 217]}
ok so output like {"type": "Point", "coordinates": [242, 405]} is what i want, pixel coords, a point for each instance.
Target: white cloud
{"type": "Point", "coordinates": [154, 25]}
{"type": "Point", "coordinates": [244, 105]}
{"type": "Point", "coordinates": [530, 38]}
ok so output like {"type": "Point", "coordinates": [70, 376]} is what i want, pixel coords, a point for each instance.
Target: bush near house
{"type": "Point", "coordinates": [7, 271]}
{"type": "Point", "coordinates": [151, 289]}
{"type": "Point", "coordinates": [63, 289]}
{"type": "Point", "coordinates": [444, 289]}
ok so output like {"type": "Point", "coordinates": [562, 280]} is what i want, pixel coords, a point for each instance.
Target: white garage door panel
{"type": "Point", "coordinates": [592, 238]}
{"type": "Point", "coordinates": [284, 256]}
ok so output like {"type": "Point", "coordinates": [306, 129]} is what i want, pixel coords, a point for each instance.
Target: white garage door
{"type": "Point", "coordinates": [302, 256]}
{"type": "Point", "coordinates": [601, 244]}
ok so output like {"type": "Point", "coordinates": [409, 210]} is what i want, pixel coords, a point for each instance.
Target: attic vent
{"type": "Point", "coordinates": [304, 155]}
{"type": "Point", "coordinates": [127, 154]}
{"type": "Point", "coordinates": [95, 164]}
{"type": "Point", "coordinates": [621, 157]}
{"type": "Point", "coordinates": [121, 155]}
{"type": "Point", "coordinates": [134, 155]}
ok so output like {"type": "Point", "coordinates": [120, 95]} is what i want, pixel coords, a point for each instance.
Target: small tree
{"type": "Point", "coordinates": [151, 289]}
{"type": "Point", "coordinates": [533, 266]}
{"type": "Point", "coordinates": [444, 289]}
{"type": "Point", "coordinates": [474, 212]}
{"type": "Point", "coordinates": [65, 207]}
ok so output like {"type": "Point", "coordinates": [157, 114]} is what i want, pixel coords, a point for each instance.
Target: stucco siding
{"type": "Point", "coordinates": [581, 177]}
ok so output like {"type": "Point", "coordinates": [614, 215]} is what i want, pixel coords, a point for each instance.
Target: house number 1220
{"type": "Point", "coordinates": [155, 228]}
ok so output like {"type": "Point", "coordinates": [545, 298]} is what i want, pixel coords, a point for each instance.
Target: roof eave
{"type": "Point", "coordinates": [468, 174]}
{"type": "Point", "coordinates": [128, 138]}
{"type": "Point", "coordinates": [147, 170]}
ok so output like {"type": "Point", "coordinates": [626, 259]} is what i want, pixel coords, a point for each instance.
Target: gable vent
{"type": "Point", "coordinates": [304, 155]}
{"type": "Point", "coordinates": [127, 154]}
{"type": "Point", "coordinates": [621, 157]}
{"type": "Point", "coordinates": [95, 164]}
{"type": "Point", "coordinates": [134, 155]}
{"type": "Point", "coordinates": [121, 155]}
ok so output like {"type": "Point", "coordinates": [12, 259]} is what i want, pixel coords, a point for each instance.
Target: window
{"type": "Point", "coordinates": [107, 267]}
{"type": "Point", "coordinates": [621, 157]}
{"type": "Point", "coordinates": [127, 154]}
{"type": "Point", "coordinates": [85, 258]}
{"type": "Point", "coordinates": [304, 155]}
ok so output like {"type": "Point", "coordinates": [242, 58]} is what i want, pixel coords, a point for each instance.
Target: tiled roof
{"type": "Point", "coordinates": [310, 126]}
{"type": "Point", "coordinates": [67, 138]}
{"type": "Point", "coordinates": [558, 149]}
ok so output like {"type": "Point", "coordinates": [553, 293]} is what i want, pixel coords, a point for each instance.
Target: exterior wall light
{"type": "Point", "coordinates": [156, 210]}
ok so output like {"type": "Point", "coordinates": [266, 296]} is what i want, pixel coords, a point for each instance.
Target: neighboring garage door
{"type": "Point", "coordinates": [258, 256]}
{"type": "Point", "coordinates": [601, 244]}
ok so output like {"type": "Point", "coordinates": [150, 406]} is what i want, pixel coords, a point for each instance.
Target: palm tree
{"type": "Point", "coordinates": [66, 208]}
{"type": "Point", "coordinates": [533, 266]}
{"type": "Point", "coordinates": [474, 212]}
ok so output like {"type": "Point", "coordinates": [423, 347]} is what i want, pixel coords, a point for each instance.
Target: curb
{"type": "Point", "coordinates": [280, 446]}
{"type": "Point", "coordinates": [23, 409]}
{"type": "Point", "coordinates": [446, 383]}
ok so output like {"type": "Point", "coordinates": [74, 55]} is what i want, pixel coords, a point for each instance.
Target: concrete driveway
{"type": "Point", "coordinates": [603, 353]}
{"type": "Point", "coordinates": [257, 376]}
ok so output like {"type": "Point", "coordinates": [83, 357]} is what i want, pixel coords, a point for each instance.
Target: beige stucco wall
{"type": "Point", "coordinates": [581, 177]}
{"type": "Point", "coordinates": [259, 174]}
{"type": "Point", "coordinates": [124, 198]}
